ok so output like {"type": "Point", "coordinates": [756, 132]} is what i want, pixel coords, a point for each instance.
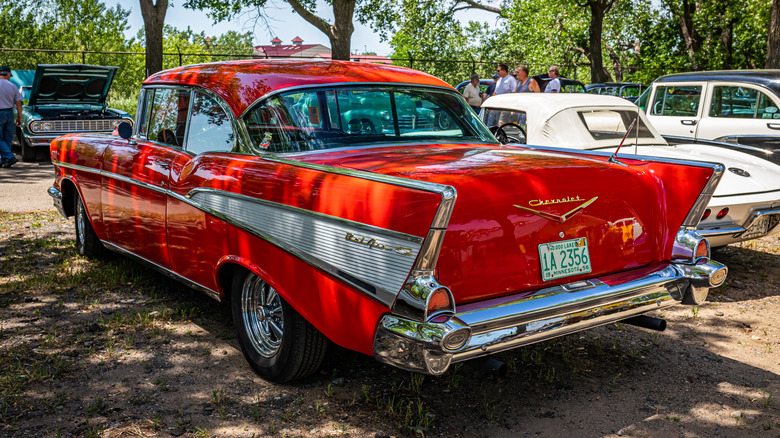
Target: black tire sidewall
{"type": "Point", "coordinates": [79, 215]}
{"type": "Point", "coordinates": [274, 367]}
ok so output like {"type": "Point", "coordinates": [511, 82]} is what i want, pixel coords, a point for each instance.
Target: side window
{"type": "Point", "coordinates": [168, 116]}
{"type": "Point", "coordinates": [210, 128]}
{"type": "Point", "coordinates": [741, 103]}
{"type": "Point", "coordinates": [681, 101]}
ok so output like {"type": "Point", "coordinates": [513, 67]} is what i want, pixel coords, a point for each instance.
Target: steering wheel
{"type": "Point", "coordinates": [505, 138]}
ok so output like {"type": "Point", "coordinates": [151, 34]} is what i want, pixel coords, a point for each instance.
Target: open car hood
{"type": "Point", "coordinates": [71, 84]}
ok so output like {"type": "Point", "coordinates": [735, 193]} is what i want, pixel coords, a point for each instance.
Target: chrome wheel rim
{"type": "Point", "coordinates": [80, 227]}
{"type": "Point", "coordinates": [262, 314]}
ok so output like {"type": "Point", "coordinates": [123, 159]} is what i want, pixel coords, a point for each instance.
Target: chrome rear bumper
{"type": "Point", "coordinates": [509, 322]}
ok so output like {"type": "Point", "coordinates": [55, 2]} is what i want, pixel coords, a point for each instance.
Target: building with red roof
{"type": "Point", "coordinates": [298, 50]}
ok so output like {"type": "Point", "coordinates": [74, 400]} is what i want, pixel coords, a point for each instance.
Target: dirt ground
{"type": "Point", "coordinates": [111, 348]}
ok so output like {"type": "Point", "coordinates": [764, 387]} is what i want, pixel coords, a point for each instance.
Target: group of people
{"type": "Point", "coordinates": [519, 81]}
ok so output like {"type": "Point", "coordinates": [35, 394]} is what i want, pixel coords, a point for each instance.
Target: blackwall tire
{"type": "Point", "coordinates": [87, 242]}
{"type": "Point", "coordinates": [279, 344]}
{"type": "Point", "coordinates": [28, 152]}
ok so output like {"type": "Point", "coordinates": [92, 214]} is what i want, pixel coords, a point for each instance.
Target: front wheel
{"type": "Point", "coordinates": [277, 341]}
{"type": "Point", "coordinates": [29, 154]}
{"type": "Point", "coordinates": [87, 242]}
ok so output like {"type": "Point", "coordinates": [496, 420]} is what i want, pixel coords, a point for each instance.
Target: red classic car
{"type": "Point", "coordinates": [368, 206]}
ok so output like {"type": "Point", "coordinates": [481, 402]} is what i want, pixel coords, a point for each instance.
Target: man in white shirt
{"type": "Point", "coordinates": [506, 84]}
{"type": "Point", "coordinates": [555, 84]}
{"type": "Point", "coordinates": [9, 97]}
{"type": "Point", "coordinates": [472, 94]}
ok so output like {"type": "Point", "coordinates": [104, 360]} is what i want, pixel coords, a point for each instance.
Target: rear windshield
{"type": "Point", "coordinates": [323, 118]}
{"type": "Point", "coordinates": [612, 124]}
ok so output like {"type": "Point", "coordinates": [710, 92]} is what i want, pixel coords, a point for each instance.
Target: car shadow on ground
{"type": "Point", "coordinates": [113, 347]}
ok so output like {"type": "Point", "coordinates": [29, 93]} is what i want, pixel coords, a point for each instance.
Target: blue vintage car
{"type": "Point", "coordinates": [63, 99]}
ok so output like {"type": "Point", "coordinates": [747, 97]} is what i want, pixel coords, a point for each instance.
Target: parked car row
{"type": "Point", "coordinates": [370, 207]}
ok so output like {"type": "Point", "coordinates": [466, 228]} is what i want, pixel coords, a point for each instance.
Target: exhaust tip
{"type": "Point", "coordinates": [492, 366]}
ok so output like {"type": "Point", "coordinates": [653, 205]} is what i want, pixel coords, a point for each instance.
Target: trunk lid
{"type": "Point", "coordinates": [512, 200]}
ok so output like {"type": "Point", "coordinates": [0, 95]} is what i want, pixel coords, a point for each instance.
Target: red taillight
{"type": "Point", "coordinates": [702, 250]}
{"type": "Point", "coordinates": [706, 214]}
{"type": "Point", "coordinates": [439, 301]}
{"type": "Point", "coordinates": [722, 213]}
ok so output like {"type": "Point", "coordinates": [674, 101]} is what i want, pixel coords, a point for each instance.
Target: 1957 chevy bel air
{"type": "Point", "coordinates": [313, 198]}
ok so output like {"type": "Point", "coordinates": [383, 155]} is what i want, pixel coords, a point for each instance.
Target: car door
{"type": "Point", "coordinates": [745, 113]}
{"type": "Point", "coordinates": [136, 176]}
{"type": "Point", "coordinates": [211, 135]}
{"type": "Point", "coordinates": [675, 108]}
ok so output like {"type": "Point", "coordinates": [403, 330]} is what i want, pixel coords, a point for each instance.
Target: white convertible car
{"type": "Point", "coordinates": [746, 203]}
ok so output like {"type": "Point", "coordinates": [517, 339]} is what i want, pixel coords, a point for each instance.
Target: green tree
{"type": "Point", "coordinates": [339, 32]}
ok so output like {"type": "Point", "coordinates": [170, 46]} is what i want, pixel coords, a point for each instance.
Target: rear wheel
{"type": "Point", "coordinates": [277, 341]}
{"type": "Point", "coordinates": [87, 242]}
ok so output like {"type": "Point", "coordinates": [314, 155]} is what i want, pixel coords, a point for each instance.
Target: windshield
{"type": "Point", "coordinates": [305, 120]}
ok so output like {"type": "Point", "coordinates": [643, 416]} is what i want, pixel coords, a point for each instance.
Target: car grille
{"type": "Point", "coordinates": [407, 123]}
{"type": "Point", "coordinates": [82, 125]}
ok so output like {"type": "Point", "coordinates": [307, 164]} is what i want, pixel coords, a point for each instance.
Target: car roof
{"type": "Point", "coordinates": [616, 84]}
{"type": "Point", "coordinates": [553, 119]}
{"type": "Point", "coordinates": [547, 104]}
{"type": "Point", "coordinates": [241, 83]}
{"type": "Point", "coordinates": [767, 78]}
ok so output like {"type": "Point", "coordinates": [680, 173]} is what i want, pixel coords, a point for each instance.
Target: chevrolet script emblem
{"type": "Point", "coordinates": [552, 216]}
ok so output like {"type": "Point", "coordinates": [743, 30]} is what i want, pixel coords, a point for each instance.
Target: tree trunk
{"type": "Point", "coordinates": [692, 39]}
{"type": "Point", "coordinates": [340, 33]}
{"type": "Point", "coordinates": [773, 39]}
{"type": "Point", "coordinates": [598, 8]}
{"type": "Point", "coordinates": [153, 13]}
{"type": "Point", "coordinates": [727, 39]}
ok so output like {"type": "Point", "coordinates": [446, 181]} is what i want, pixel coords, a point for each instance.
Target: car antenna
{"type": "Point", "coordinates": [613, 158]}
{"type": "Point", "coordinates": [636, 143]}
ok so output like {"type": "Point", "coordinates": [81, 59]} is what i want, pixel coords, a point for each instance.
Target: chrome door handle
{"type": "Point", "coordinates": [688, 122]}
{"type": "Point", "coordinates": [773, 125]}
{"type": "Point", "coordinates": [163, 164]}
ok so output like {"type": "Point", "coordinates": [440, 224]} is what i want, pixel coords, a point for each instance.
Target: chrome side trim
{"type": "Point", "coordinates": [412, 304]}
{"type": "Point", "coordinates": [510, 322]}
{"type": "Point", "coordinates": [371, 259]}
{"type": "Point", "coordinates": [383, 287]}
{"type": "Point", "coordinates": [694, 215]}
{"type": "Point", "coordinates": [163, 270]}
{"type": "Point", "coordinates": [56, 196]}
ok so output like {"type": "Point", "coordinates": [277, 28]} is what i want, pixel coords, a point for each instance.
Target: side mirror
{"type": "Point", "coordinates": [125, 130]}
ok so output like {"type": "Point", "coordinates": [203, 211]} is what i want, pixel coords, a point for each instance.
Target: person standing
{"type": "Point", "coordinates": [525, 83]}
{"type": "Point", "coordinates": [555, 84]}
{"type": "Point", "coordinates": [506, 84]}
{"type": "Point", "coordinates": [491, 88]}
{"type": "Point", "coordinates": [472, 94]}
{"type": "Point", "coordinates": [9, 97]}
